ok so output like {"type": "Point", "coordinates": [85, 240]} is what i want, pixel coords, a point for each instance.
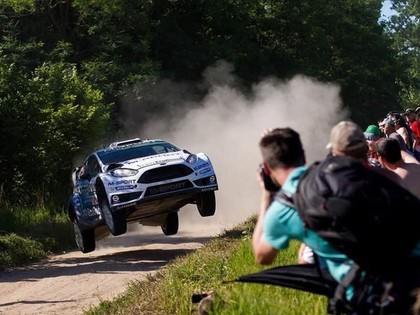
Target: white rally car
{"type": "Point", "coordinates": [145, 181]}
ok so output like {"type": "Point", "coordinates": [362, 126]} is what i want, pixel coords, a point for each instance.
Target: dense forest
{"type": "Point", "coordinates": [65, 66]}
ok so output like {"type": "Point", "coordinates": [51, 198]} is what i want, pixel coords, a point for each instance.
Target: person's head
{"type": "Point", "coordinates": [389, 150]}
{"type": "Point", "coordinates": [348, 139]}
{"type": "Point", "coordinates": [399, 122]}
{"type": "Point", "coordinates": [388, 126]}
{"type": "Point", "coordinates": [410, 115]}
{"type": "Point", "coordinates": [392, 114]}
{"type": "Point", "coordinates": [417, 112]}
{"type": "Point", "coordinates": [282, 148]}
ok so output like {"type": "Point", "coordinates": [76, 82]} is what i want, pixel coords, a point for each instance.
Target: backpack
{"type": "Point", "coordinates": [360, 212]}
{"type": "Point", "coordinates": [368, 217]}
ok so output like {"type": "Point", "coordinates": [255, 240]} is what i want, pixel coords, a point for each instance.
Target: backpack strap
{"type": "Point", "coordinates": [339, 302]}
{"type": "Point", "coordinates": [284, 198]}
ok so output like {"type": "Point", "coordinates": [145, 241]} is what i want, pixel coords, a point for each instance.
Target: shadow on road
{"type": "Point", "coordinates": [121, 259]}
{"type": "Point", "coordinates": [34, 302]}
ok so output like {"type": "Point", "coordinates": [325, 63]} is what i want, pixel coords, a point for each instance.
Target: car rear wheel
{"type": "Point", "coordinates": [171, 224]}
{"type": "Point", "coordinates": [85, 239]}
{"type": "Point", "coordinates": [116, 222]}
{"type": "Point", "coordinates": [206, 203]}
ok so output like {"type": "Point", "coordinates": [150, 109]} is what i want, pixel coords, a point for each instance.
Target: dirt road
{"type": "Point", "coordinates": [72, 282]}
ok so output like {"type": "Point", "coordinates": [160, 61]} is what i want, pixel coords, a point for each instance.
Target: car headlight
{"type": "Point", "coordinates": [192, 158]}
{"type": "Point", "coordinates": [123, 172]}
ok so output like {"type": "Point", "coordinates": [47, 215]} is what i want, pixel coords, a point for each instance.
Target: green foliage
{"type": "Point", "coordinates": [74, 117]}
{"type": "Point", "coordinates": [63, 65]}
{"type": "Point", "coordinates": [45, 118]}
{"type": "Point", "coordinates": [20, 117]}
{"type": "Point", "coordinates": [16, 250]}
{"type": "Point", "coordinates": [115, 36]}
{"type": "Point", "coordinates": [20, 6]}
{"type": "Point", "coordinates": [44, 224]}
{"type": "Point", "coordinates": [404, 28]}
{"type": "Point", "coordinates": [334, 41]}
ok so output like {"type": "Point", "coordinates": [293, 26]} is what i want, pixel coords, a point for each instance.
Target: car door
{"type": "Point", "coordinates": [86, 183]}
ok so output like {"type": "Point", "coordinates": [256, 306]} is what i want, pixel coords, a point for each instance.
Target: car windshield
{"type": "Point", "coordinates": [120, 154]}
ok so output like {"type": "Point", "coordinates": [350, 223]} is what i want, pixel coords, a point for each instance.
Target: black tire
{"type": "Point", "coordinates": [71, 213]}
{"type": "Point", "coordinates": [171, 224]}
{"type": "Point", "coordinates": [85, 239]}
{"type": "Point", "coordinates": [116, 222]}
{"type": "Point", "coordinates": [206, 203]}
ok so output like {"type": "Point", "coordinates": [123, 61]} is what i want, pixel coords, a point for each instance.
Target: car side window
{"type": "Point", "coordinates": [159, 149]}
{"type": "Point", "coordinates": [164, 148]}
{"type": "Point", "coordinates": [92, 166]}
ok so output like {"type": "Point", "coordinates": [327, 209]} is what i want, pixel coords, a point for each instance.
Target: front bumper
{"type": "Point", "coordinates": [156, 192]}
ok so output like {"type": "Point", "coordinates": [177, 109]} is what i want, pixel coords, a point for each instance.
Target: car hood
{"type": "Point", "coordinates": [164, 158]}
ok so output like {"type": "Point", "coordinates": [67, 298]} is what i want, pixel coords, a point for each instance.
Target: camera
{"type": "Point", "coordinates": [268, 182]}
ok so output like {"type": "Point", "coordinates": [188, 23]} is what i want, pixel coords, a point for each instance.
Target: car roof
{"type": "Point", "coordinates": [130, 150]}
{"type": "Point", "coordinates": [121, 145]}
{"type": "Point", "coordinates": [125, 142]}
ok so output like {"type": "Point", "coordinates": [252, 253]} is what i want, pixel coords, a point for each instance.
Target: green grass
{"type": "Point", "coordinates": [226, 257]}
{"type": "Point", "coordinates": [30, 234]}
{"type": "Point", "coordinates": [16, 251]}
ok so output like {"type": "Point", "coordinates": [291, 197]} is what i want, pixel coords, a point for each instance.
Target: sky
{"type": "Point", "coordinates": [386, 9]}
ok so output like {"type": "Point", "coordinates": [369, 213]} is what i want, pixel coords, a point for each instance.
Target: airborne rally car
{"type": "Point", "coordinates": [145, 181]}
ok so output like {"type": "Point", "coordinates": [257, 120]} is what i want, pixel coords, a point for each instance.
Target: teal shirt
{"type": "Point", "coordinates": [282, 224]}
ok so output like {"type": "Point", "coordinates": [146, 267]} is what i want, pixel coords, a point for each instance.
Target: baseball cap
{"type": "Point", "coordinates": [373, 129]}
{"type": "Point", "coordinates": [348, 138]}
{"type": "Point", "coordinates": [409, 111]}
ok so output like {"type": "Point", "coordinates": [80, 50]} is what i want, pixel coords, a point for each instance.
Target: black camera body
{"type": "Point", "coordinates": [268, 182]}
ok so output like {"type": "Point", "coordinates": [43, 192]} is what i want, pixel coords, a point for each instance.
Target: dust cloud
{"type": "Point", "coordinates": [226, 124]}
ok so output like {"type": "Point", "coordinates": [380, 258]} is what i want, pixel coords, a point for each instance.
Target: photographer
{"type": "Point", "coordinates": [284, 162]}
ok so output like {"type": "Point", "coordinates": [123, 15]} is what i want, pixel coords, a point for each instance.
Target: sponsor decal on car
{"type": "Point", "coordinates": [125, 187]}
{"type": "Point", "coordinates": [122, 182]}
{"type": "Point", "coordinates": [206, 170]}
{"type": "Point", "coordinates": [160, 161]}
{"type": "Point", "coordinates": [199, 167]}
{"type": "Point", "coordinates": [160, 189]}
{"type": "Point", "coordinates": [125, 206]}
{"type": "Point", "coordinates": [167, 187]}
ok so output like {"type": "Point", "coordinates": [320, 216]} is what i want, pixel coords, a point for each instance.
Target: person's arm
{"type": "Point", "coordinates": [264, 253]}
{"type": "Point", "coordinates": [407, 138]}
{"type": "Point", "coordinates": [408, 158]}
{"type": "Point", "coordinates": [414, 138]}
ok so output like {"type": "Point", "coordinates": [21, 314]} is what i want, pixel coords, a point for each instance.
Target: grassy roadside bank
{"type": "Point", "coordinates": [29, 235]}
{"type": "Point", "coordinates": [224, 258]}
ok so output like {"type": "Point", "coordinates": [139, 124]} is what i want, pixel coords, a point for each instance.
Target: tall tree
{"type": "Point", "coordinates": [335, 41]}
{"type": "Point", "coordinates": [404, 28]}
{"type": "Point", "coordinates": [46, 117]}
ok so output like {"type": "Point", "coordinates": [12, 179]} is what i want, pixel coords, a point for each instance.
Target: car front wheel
{"type": "Point", "coordinates": [116, 222]}
{"type": "Point", "coordinates": [206, 203]}
{"type": "Point", "coordinates": [171, 224]}
{"type": "Point", "coordinates": [85, 239]}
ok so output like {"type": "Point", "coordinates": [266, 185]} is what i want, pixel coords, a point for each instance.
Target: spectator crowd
{"type": "Point", "coordinates": [391, 146]}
